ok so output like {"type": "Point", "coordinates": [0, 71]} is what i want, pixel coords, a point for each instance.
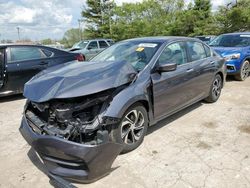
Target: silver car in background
{"type": "Point", "coordinates": [90, 48]}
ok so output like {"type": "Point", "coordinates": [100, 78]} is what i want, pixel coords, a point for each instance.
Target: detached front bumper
{"type": "Point", "coordinates": [72, 161]}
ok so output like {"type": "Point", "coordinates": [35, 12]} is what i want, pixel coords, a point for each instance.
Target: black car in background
{"type": "Point", "coordinates": [19, 63]}
{"type": "Point", "coordinates": [79, 117]}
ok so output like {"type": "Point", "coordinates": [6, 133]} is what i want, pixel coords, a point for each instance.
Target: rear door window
{"type": "Point", "coordinates": [24, 53]}
{"type": "Point", "coordinates": [93, 45]}
{"type": "Point", "coordinates": [196, 51]}
{"type": "Point", "coordinates": [103, 44]}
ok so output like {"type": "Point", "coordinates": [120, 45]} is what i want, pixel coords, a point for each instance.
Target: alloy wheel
{"type": "Point", "coordinates": [217, 87]}
{"type": "Point", "coordinates": [245, 71]}
{"type": "Point", "coordinates": [132, 127]}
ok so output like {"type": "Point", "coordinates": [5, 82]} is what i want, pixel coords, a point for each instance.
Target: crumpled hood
{"type": "Point", "coordinates": [223, 51]}
{"type": "Point", "coordinates": [77, 79]}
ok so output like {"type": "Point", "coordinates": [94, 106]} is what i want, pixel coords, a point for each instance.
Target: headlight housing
{"type": "Point", "coordinates": [232, 56]}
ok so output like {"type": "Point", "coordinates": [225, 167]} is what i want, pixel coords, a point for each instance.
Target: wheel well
{"type": "Point", "coordinates": [145, 104]}
{"type": "Point", "coordinates": [84, 57]}
{"type": "Point", "coordinates": [248, 59]}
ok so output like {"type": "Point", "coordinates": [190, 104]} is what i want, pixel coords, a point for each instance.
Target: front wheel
{"type": "Point", "coordinates": [215, 89]}
{"type": "Point", "coordinates": [244, 71]}
{"type": "Point", "coordinates": [131, 130]}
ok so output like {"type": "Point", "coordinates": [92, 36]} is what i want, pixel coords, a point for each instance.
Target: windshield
{"type": "Point", "coordinates": [137, 53]}
{"type": "Point", "coordinates": [231, 41]}
{"type": "Point", "coordinates": [81, 44]}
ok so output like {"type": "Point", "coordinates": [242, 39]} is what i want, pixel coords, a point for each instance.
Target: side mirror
{"type": "Point", "coordinates": [89, 48]}
{"type": "Point", "coordinates": [167, 67]}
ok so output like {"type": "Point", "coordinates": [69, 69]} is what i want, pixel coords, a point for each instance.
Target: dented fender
{"type": "Point", "coordinates": [132, 94]}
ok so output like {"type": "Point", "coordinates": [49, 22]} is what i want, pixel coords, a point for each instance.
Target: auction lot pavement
{"type": "Point", "coordinates": [205, 145]}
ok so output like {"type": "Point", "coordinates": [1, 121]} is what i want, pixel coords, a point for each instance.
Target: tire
{"type": "Point", "coordinates": [130, 131]}
{"type": "Point", "coordinates": [244, 71]}
{"type": "Point", "coordinates": [215, 89]}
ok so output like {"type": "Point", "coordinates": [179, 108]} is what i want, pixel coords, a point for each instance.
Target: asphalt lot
{"type": "Point", "coordinates": [205, 145]}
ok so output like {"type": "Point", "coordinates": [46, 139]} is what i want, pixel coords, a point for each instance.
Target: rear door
{"type": "Point", "coordinates": [2, 66]}
{"type": "Point", "coordinates": [102, 45]}
{"type": "Point", "coordinates": [171, 90]}
{"type": "Point", "coordinates": [93, 49]}
{"type": "Point", "coordinates": [203, 67]}
{"type": "Point", "coordinates": [23, 63]}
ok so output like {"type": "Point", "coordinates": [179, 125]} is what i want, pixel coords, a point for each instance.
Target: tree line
{"type": "Point", "coordinates": [105, 19]}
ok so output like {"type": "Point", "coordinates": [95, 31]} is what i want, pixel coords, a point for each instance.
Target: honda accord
{"type": "Point", "coordinates": [80, 116]}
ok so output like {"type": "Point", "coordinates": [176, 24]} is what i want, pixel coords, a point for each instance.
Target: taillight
{"type": "Point", "coordinates": [80, 57]}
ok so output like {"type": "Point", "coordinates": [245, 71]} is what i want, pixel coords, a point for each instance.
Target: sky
{"type": "Point", "coordinates": [40, 19]}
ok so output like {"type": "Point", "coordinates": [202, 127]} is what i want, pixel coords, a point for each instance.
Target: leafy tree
{"type": "Point", "coordinates": [71, 37]}
{"type": "Point", "coordinates": [46, 41]}
{"type": "Point", "coordinates": [163, 17]}
{"type": "Point", "coordinates": [234, 18]}
{"type": "Point", "coordinates": [97, 15]}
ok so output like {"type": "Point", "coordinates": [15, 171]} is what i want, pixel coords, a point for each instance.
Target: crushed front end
{"type": "Point", "coordinates": [71, 136]}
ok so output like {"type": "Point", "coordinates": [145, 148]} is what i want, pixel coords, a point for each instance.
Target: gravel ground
{"type": "Point", "coordinates": [205, 145]}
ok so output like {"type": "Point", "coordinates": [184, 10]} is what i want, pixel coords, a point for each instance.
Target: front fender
{"type": "Point", "coordinates": [123, 101]}
{"type": "Point", "coordinates": [138, 91]}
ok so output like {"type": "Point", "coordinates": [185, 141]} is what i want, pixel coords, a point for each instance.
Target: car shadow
{"type": "Point", "coordinates": [173, 117]}
{"type": "Point", "coordinates": [11, 98]}
{"type": "Point", "coordinates": [230, 78]}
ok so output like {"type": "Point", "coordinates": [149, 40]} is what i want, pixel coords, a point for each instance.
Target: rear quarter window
{"type": "Point", "coordinates": [207, 50]}
{"type": "Point", "coordinates": [47, 53]}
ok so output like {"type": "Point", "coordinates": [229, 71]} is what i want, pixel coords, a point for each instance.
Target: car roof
{"type": "Point", "coordinates": [94, 39]}
{"type": "Point", "coordinates": [163, 39]}
{"type": "Point", "coordinates": [13, 44]}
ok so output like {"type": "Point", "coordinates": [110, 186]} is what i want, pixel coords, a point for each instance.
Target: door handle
{"type": "Point", "coordinates": [212, 62]}
{"type": "Point", "coordinates": [190, 70]}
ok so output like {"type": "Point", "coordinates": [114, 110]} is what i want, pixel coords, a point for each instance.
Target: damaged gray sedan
{"type": "Point", "coordinates": [80, 116]}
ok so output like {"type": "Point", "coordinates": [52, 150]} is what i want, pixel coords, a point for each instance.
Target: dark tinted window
{"type": "Point", "coordinates": [174, 53]}
{"type": "Point", "coordinates": [24, 53]}
{"type": "Point", "coordinates": [208, 51]}
{"type": "Point", "coordinates": [1, 63]}
{"type": "Point", "coordinates": [103, 44]}
{"type": "Point", "coordinates": [196, 51]}
{"type": "Point", "coordinates": [47, 53]}
{"type": "Point", "coordinates": [93, 45]}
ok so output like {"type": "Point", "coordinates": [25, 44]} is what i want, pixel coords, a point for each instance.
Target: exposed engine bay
{"type": "Point", "coordinates": [77, 119]}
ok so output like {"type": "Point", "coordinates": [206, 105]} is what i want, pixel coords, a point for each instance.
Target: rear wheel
{"type": "Point", "coordinates": [132, 128]}
{"type": "Point", "coordinates": [244, 71]}
{"type": "Point", "coordinates": [215, 90]}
